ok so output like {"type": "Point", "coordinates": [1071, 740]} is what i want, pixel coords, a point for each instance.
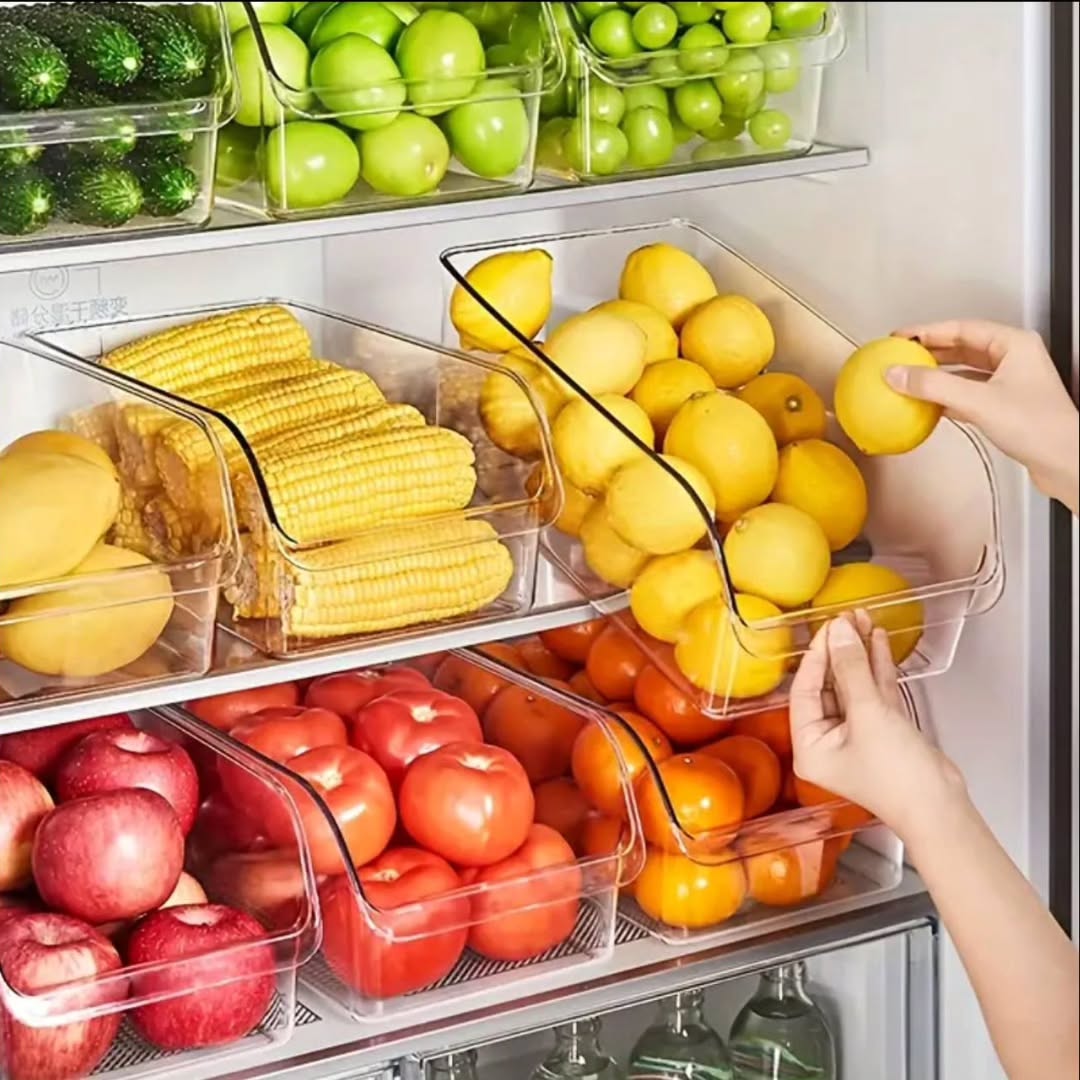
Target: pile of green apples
{"type": "Point", "coordinates": [651, 77]}
{"type": "Point", "coordinates": [380, 98]}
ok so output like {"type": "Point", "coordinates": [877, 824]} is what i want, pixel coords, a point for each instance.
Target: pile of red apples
{"type": "Point", "coordinates": [94, 818]}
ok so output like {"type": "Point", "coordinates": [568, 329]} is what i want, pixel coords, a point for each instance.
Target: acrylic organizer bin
{"type": "Point", "coordinates": [399, 483]}
{"type": "Point", "coordinates": [928, 555]}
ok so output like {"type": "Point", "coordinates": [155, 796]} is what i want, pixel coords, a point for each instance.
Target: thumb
{"type": "Point", "coordinates": [964, 398]}
{"type": "Point", "coordinates": [852, 675]}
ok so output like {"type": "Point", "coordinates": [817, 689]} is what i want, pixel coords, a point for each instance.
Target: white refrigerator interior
{"type": "Point", "coordinates": [950, 217]}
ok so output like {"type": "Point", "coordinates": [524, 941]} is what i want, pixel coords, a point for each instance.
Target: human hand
{"type": "Point", "coordinates": [1023, 407]}
{"type": "Point", "coordinates": [851, 734]}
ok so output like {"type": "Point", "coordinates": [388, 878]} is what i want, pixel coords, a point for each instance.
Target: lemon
{"type": "Point", "coordinates": [790, 405]}
{"type": "Point", "coordinates": [590, 448]}
{"type": "Point", "coordinates": [779, 553]}
{"type": "Point", "coordinates": [669, 588]}
{"type": "Point", "coordinates": [575, 505]}
{"type": "Point", "coordinates": [517, 284]}
{"type": "Point", "coordinates": [668, 279]}
{"type": "Point", "coordinates": [662, 341]}
{"type": "Point", "coordinates": [714, 656]}
{"type": "Point", "coordinates": [853, 584]}
{"type": "Point", "coordinates": [606, 554]}
{"type": "Point", "coordinates": [650, 509]}
{"type": "Point", "coordinates": [664, 387]}
{"type": "Point", "coordinates": [821, 479]}
{"type": "Point", "coordinates": [506, 411]}
{"type": "Point", "coordinates": [731, 444]}
{"type": "Point", "coordinates": [601, 352]}
{"type": "Point", "coordinates": [730, 337]}
{"type": "Point", "coordinates": [874, 416]}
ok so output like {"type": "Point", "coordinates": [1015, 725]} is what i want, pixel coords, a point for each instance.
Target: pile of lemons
{"type": "Point", "coordinates": [682, 368]}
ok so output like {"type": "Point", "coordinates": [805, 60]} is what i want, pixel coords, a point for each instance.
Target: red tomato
{"type": "Point", "coordinates": [225, 711]}
{"type": "Point", "coordinates": [395, 951]}
{"type": "Point", "coordinates": [542, 662]}
{"type": "Point", "coordinates": [573, 642]}
{"type": "Point", "coordinates": [354, 790]}
{"type": "Point", "coordinates": [399, 727]}
{"type": "Point", "coordinates": [348, 692]}
{"type": "Point", "coordinates": [464, 678]}
{"type": "Point", "coordinates": [468, 802]}
{"type": "Point", "coordinates": [539, 732]}
{"type": "Point", "coordinates": [427, 665]}
{"type": "Point", "coordinates": [531, 901]}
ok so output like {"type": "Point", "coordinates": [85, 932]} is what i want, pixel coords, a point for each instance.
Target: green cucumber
{"type": "Point", "coordinates": [27, 201]}
{"type": "Point", "coordinates": [169, 186]}
{"type": "Point", "coordinates": [109, 148]}
{"type": "Point", "coordinates": [101, 52]}
{"type": "Point", "coordinates": [17, 155]}
{"type": "Point", "coordinates": [173, 53]}
{"type": "Point", "coordinates": [33, 71]}
{"type": "Point", "coordinates": [100, 194]}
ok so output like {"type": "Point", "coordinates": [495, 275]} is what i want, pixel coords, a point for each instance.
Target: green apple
{"type": "Point", "coordinates": [601, 150]}
{"type": "Point", "coordinates": [304, 21]}
{"type": "Point", "coordinates": [289, 55]}
{"type": "Point", "coordinates": [406, 158]}
{"type": "Point", "coordinates": [265, 12]}
{"type": "Point", "coordinates": [551, 145]}
{"type": "Point", "coordinates": [489, 135]}
{"type": "Point", "coordinates": [372, 21]}
{"type": "Point", "coordinates": [236, 149]}
{"type": "Point", "coordinates": [308, 164]}
{"type": "Point", "coordinates": [441, 57]}
{"type": "Point", "coordinates": [358, 82]}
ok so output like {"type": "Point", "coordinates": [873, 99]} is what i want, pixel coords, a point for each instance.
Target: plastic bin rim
{"type": "Point", "coordinates": [38, 1009]}
{"type": "Point", "coordinates": [990, 574]}
{"type": "Point", "coordinates": [291, 97]}
{"type": "Point", "coordinates": [204, 414]}
{"type": "Point", "coordinates": [227, 545]}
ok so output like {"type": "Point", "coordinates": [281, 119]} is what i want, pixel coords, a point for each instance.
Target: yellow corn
{"type": "Point", "coordinates": [173, 533]}
{"type": "Point", "coordinates": [128, 530]}
{"type": "Point", "coordinates": [342, 425]}
{"type": "Point", "coordinates": [255, 591]}
{"type": "Point", "coordinates": [338, 489]}
{"type": "Point", "coordinates": [97, 424]}
{"type": "Point", "coordinates": [398, 577]}
{"type": "Point", "coordinates": [180, 358]}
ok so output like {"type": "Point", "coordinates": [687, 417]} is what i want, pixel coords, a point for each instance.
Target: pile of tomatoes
{"type": "Point", "coordinates": [426, 838]}
{"type": "Point", "coordinates": [696, 780]}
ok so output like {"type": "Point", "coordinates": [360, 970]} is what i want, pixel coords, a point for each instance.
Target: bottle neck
{"type": "Point", "coordinates": [460, 1066]}
{"type": "Point", "coordinates": [580, 1040]}
{"type": "Point", "coordinates": [785, 983]}
{"type": "Point", "coordinates": [684, 1011]}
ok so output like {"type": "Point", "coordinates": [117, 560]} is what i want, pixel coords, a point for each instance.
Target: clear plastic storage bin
{"type": "Point", "coordinates": [374, 142]}
{"type": "Point", "coordinates": [150, 1018]}
{"type": "Point", "coordinates": [509, 929]}
{"type": "Point", "coordinates": [729, 853]}
{"type": "Point", "coordinates": [323, 465]}
{"type": "Point", "coordinates": [78, 616]}
{"type": "Point", "coordinates": [712, 101]}
{"type": "Point", "coordinates": [928, 555]}
{"type": "Point", "coordinates": [102, 159]}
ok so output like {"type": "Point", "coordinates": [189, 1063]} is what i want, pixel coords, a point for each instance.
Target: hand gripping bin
{"type": "Point", "coordinates": [770, 864]}
{"type": "Point", "coordinates": [712, 102]}
{"type": "Point", "coordinates": [928, 556]}
{"type": "Point", "coordinates": [369, 498]}
{"type": "Point", "coordinates": [121, 159]}
{"type": "Point", "coordinates": [78, 616]}
{"type": "Point", "coordinates": [391, 140]}
{"type": "Point", "coordinates": [392, 947]}
{"type": "Point", "coordinates": [225, 999]}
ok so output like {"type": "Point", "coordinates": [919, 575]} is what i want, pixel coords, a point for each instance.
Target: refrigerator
{"type": "Point", "coordinates": [943, 184]}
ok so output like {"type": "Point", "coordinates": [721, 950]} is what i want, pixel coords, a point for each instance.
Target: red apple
{"type": "Point", "coordinates": [187, 891]}
{"type": "Point", "coordinates": [23, 803]}
{"type": "Point", "coordinates": [108, 760]}
{"type": "Point", "coordinates": [13, 905]}
{"type": "Point", "coordinates": [42, 951]}
{"type": "Point", "coordinates": [217, 998]}
{"type": "Point", "coordinates": [267, 884]}
{"type": "Point", "coordinates": [221, 828]}
{"type": "Point", "coordinates": [40, 750]}
{"type": "Point", "coordinates": [108, 857]}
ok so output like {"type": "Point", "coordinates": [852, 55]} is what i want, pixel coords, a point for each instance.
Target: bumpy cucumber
{"type": "Point", "coordinates": [27, 201]}
{"type": "Point", "coordinates": [173, 53]}
{"type": "Point", "coordinates": [101, 194]}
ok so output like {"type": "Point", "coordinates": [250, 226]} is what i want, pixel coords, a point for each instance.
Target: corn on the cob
{"type": "Point", "coordinates": [255, 592]}
{"type": "Point", "coordinates": [338, 489]}
{"type": "Point", "coordinates": [173, 532]}
{"type": "Point", "coordinates": [183, 356]}
{"type": "Point", "coordinates": [128, 530]}
{"type": "Point", "coordinates": [342, 425]}
{"type": "Point", "coordinates": [97, 424]}
{"type": "Point", "coordinates": [398, 577]}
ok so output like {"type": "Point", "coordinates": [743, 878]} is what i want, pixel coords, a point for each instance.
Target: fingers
{"type": "Point", "coordinates": [884, 667]}
{"type": "Point", "coordinates": [853, 678]}
{"type": "Point", "coordinates": [805, 705]}
{"type": "Point", "coordinates": [983, 343]}
{"type": "Point", "coordinates": [963, 398]}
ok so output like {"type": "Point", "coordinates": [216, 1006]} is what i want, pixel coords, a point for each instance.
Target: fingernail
{"type": "Point", "coordinates": [916, 338]}
{"type": "Point", "coordinates": [897, 377]}
{"type": "Point", "coordinates": [843, 633]}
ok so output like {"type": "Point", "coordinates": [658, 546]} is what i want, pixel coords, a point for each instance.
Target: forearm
{"type": "Point", "coordinates": [1022, 967]}
{"type": "Point", "coordinates": [1059, 477]}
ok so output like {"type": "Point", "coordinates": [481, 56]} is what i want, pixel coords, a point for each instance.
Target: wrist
{"type": "Point", "coordinates": [1059, 476]}
{"type": "Point", "coordinates": [942, 797]}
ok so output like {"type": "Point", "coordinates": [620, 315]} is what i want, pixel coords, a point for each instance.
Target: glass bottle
{"type": "Point", "coordinates": [680, 1045]}
{"type": "Point", "coordinates": [577, 1055]}
{"type": "Point", "coordinates": [459, 1066]}
{"type": "Point", "coordinates": [780, 1034]}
